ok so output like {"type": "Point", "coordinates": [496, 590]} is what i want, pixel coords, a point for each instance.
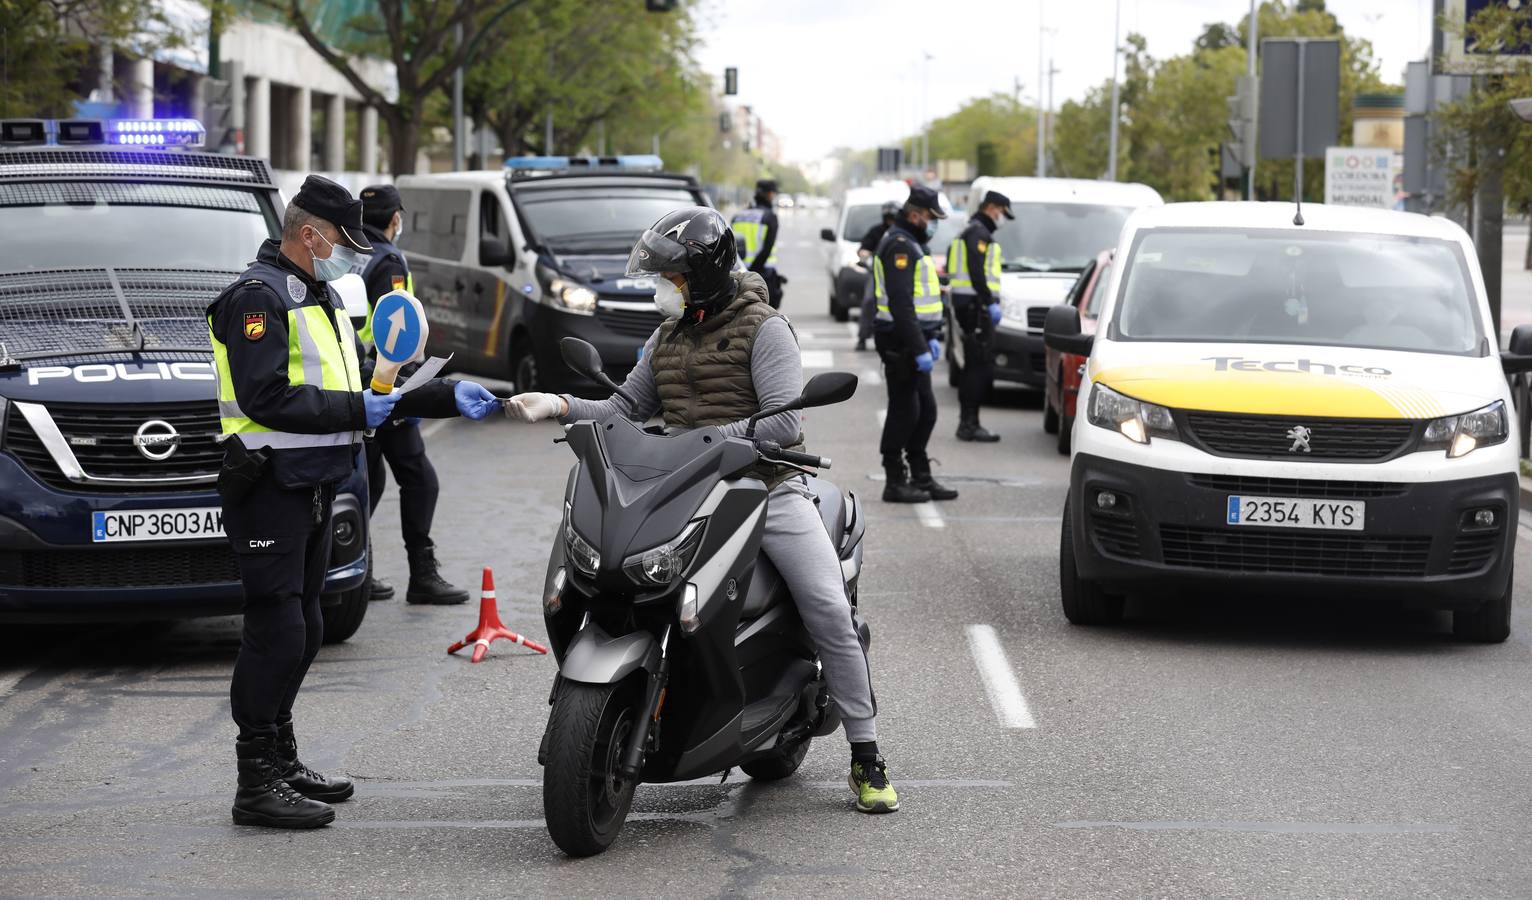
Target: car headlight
{"type": "Point", "coordinates": [1461, 435]}
{"type": "Point", "coordinates": [667, 562]}
{"type": "Point", "coordinates": [1133, 419]}
{"type": "Point", "coordinates": [582, 555]}
{"type": "Point", "coordinates": [572, 296]}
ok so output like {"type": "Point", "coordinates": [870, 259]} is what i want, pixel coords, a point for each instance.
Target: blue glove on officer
{"type": "Point", "coordinates": [936, 349]}
{"type": "Point", "coordinates": [994, 314]}
{"type": "Point", "coordinates": [474, 401]}
{"type": "Point", "coordinates": [378, 406]}
{"type": "Point", "coordinates": [924, 362]}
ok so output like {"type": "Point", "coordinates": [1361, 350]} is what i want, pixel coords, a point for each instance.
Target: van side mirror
{"type": "Point", "coordinates": [1061, 331]}
{"type": "Point", "coordinates": [1521, 340]}
{"type": "Point", "coordinates": [493, 252]}
{"type": "Point", "coordinates": [827, 234]}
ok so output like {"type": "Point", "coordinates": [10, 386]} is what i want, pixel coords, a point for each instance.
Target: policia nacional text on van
{"type": "Point", "coordinates": [292, 411]}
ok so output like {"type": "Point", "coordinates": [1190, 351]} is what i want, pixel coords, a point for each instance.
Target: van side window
{"type": "Point", "coordinates": [489, 217]}
{"type": "Point", "coordinates": [449, 224]}
{"type": "Point", "coordinates": [417, 220]}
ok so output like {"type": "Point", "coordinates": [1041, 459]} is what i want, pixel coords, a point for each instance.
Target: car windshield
{"type": "Point", "coordinates": [60, 225]}
{"type": "Point", "coordinates": [860, 219]}
{"type": "Point", "coordinates": [596, 220]}
{"type": "Point", "coordinates": [1348, 290]}
{"type": "Point", "coordinates": [1058, 237]}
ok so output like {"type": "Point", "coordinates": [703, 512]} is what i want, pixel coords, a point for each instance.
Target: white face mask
{"type": "Point", "coordinates": [668, 298]}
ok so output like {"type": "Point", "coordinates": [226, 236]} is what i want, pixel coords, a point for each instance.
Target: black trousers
{"type": "Point", "coordinates": [281, 539]}
{"type": "Point", "coordinates": [978, 369]}
{"type": "Point", "coordinates": [404, 449]}
{"type": "Point", "coordinates": [868, 312]}
{"type": "Point", "coordinates": [911, 406]}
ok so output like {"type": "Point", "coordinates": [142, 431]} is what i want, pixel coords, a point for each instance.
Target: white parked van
{"type": "Point", "coordinates": [1296, 410]}
{"type": "Point", "coordinates": [860, 209]}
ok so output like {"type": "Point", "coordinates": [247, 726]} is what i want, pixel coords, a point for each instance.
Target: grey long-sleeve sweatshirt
{"type": "Point", "coordinates": [776, 369]}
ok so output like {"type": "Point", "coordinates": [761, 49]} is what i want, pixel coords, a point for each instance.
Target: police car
{"type": "Point", "coordinates": [508, 262]}
{"type": "Point", "coordinates": [1314, 409]}
{"type": "Point", "coordinates": [118, 233]}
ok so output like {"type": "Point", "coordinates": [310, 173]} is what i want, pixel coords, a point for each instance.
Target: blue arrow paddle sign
{"type": "Point", "coordinates": [398, 327]}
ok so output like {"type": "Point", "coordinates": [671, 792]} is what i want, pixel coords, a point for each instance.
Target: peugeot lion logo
{"type": "Point", "coordinates": [157, 439]}
{"type": "Point", "coordinates": [1300, 438]}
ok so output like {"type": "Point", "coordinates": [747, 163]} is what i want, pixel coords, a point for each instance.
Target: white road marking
{"type": "Point", "coordinates": [929, 515]}
{"type": "Point", "coordinates": [8, 682]}
{"type": "Point", "coordinates": [851, 329]}
{"type": "Point", "coordinates": [805, 335]}
{"type": "Point", "coordinates": [871, 376]}
{"type": "Point", "coordinates": [818, 359]}
{"type": "Point", "coordinates": [434, 426]}
{"type": "Point", "coordinates": [999, 681]}
{"type": "Point", "coordinates": [882, 417]}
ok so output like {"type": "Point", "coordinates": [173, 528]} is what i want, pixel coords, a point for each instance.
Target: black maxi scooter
{"type": "Point", "coordinates": [680, 651]}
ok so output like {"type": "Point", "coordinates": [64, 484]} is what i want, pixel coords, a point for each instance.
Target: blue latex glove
{"type": "Point", "coordinates": [994, 314]}
{"type": "Point", "coordinates": [936, 349]}
{"type": "Point", "coordinates": [378, 406]}
{"type": "Point", "coordinates": [474, 401]}
{"type": "Point", "coordinates": [924, 362]}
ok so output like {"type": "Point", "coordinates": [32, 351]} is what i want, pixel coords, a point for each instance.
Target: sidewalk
{"type": "Point", "coordinates": [1515, 281]}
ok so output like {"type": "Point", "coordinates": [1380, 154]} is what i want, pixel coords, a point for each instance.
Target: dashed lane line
{"type": "Point", "coordinates": [929, 515]}
{"type": "Point", "coordinates": [999, 681]}
{"type": "Point", "coordinates": [818, 359]}
{"type": "Point", "coordinates": [434, 426]}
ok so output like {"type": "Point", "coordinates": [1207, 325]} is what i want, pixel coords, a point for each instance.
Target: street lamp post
{"type": "Point", "coordinates": [1042, 164]}
{"type": "Point", "coordinates": [1113, 111]}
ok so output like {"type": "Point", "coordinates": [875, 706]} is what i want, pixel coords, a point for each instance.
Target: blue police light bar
{"type": "Point", "coordinates": [643, 162]}
{"type": "Point", "coordinates": [155, 132]}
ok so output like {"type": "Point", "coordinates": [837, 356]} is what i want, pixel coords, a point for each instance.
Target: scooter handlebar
{"type": "Point", "coordinates": [771, 450]}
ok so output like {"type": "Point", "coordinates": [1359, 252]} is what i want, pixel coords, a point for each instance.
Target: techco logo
{"type": "Point", "coordinates": [1240, 364]}
{"type": "Point", "coordinates": [157, 440]}
{"type": "Point", "coordinates": [1299, 435]}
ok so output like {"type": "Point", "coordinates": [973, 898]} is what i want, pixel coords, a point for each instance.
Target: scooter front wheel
{"type": "Point", "coordinates": [585, 799]}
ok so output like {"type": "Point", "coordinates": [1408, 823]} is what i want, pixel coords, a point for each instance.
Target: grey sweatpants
{"type": "Point", "coordinates": [796, 543]}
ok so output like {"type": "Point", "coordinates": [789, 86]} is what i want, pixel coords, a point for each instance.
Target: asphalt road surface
{"type": "Point", "coordinates": [1208, 748]}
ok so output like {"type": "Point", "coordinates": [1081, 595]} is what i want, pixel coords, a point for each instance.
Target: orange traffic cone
{"type": "Point", "coordinates": [490, 626]}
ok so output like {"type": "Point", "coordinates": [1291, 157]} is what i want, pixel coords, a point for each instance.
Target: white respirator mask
{"type": "Point", "coordinates": [668, 298]}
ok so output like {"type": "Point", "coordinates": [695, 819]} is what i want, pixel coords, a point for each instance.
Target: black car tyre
{"type": "Point", "coordinates": [1491, 622]}
{"type": "Point", "coordinates": [343, 619]}
{"type": "Point", "coordinates": [1085, 602]}
{"type": "Point", "coordinates": [1050, 414]}
{"type": "Point", "coordinates": [780, 764]}
{"type": "Point", "coordinates": [585, 801]}
{"type": "Point", "coordinates": [1066, 427]}
{"type": "Point", "coordinates": [836, 312]}
{"type": "Point", "coordinates": [524, 374]}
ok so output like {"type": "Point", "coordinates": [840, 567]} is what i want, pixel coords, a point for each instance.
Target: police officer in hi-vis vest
{"type": "Point", "coordinates": [755, 230]}
{"type": "Point", "coordinates": [292, 412]}
{"type": "Point", "coordinates": [398, 440]}
{"type": "Point", "coordinates": [973, 269]}
{"type": "Point", "coordinates": [907, 332]}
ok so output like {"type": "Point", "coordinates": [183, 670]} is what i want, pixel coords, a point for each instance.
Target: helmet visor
{"type": "Point", "coordinates": [654, 254]}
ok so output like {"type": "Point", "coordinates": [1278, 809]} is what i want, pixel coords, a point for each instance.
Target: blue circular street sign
{"type": "Point", "coordinates": [397, 327]}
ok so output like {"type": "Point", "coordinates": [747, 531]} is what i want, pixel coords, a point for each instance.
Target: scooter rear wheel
{"type": "Point", "coordinates": [778, 765]}
{"type": "Point", "coordinates": [585, 800]}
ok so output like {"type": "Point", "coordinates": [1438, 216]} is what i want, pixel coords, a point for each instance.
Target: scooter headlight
{"type": "Point", "coordinates": [1461, 435]}
{"type": "Point", "coordinates": [582, 555]}
{"type": "Point", "coordinates": [667, 562]}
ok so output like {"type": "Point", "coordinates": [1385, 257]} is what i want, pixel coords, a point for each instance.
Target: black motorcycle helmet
{"type": "Point", "coordinates": [695, 242]}
{"type": "Point", "coordinates": [891, 210]}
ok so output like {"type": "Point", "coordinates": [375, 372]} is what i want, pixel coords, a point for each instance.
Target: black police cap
{"type": "Point", "coordinates": [923, 197]}
{"type": "Point", "coordinates": [766, 186]}
{"type": "Point", "coordinates": [333, 203]}
{"type": "Point", "coordinates": [379, 203]}
{"type": "Point", "coordinates": [995, 198]}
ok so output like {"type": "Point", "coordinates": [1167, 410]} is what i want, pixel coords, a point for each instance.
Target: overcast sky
{"type": "Point", "coordinates": [826, 73]}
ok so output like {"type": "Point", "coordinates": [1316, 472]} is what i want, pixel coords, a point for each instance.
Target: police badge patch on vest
{"type": "Point", "coordinates": [295, 289]}
{"type": "Point", "coordinates": [983, 246]}
{"type": "Point", "coordinates": [255, 326]}
{"type": "Point", "coordinates": [901, 261]}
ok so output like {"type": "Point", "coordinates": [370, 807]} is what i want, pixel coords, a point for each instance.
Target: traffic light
{"type": "Point", "coordinates": [889, 160]}
{"type": "Point", "coordinates": [659, 5]}
{"type": "Point", "coordinates": [218, 114]}
{"type": "Point", "coordinates": [730, 81]}
{"type": "Point", "coordinates": [725, 122]}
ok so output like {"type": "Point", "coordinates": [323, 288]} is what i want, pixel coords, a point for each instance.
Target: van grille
{"type": "Point", "coordinates": [1357, 440]}
{"type": "Point", "coordinates": [112, 567]}
{"type": "Point", "coordinates": [1472, 552]}
{"type": "Point", "coordinates": [630, 322]}
{"type": "Point", "coordinates": [1116, 536]}
{"type": "Point", "coordinates": [1236, 550]}
{"type": "Point", "coordinates": [1298, 487]}
{"type": "Point", "coordinates": [113, 455]}
{"type": "Point", "coordinates": [1036, 315]}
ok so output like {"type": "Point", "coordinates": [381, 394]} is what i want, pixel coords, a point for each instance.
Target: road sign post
{"type": "Point", "coordinates": [1299, 101]}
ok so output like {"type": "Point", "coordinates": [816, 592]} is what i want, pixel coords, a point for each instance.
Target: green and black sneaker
{"type": "Point", "coordinates": [874, 792]}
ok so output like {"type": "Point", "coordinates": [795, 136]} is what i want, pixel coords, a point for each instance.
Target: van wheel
{"type": "Point", "coordinates": [342, 620]}
{"type": "Point", "coordinates": [1490, 623]}
{"type": "Point", "coordinates": [1050, 415]}
{"type": "Point", "coordinates": [1066, 434]}
{"type": "Point", "coordinates": [836, 312]}
{"type": "Point", "coordinates": [523, 366]}
{"type": "Point", "coordinates": [1085, 602]}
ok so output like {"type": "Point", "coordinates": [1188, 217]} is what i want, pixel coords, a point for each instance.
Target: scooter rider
{"type": "Point", "coordinates": [722, 355]}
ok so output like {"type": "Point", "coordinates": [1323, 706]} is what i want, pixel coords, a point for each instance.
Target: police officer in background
{"type": "Point", "coordinates": [864, 253]}
{"type": "Point", "coordinates": [398, 440]}
{"type": "Point", "coordinates": [973, 267]}
{"type": "Point", "coordinates": [292, 413]}
{"type": "Point", "coordinates": [907, 333]}
{"type": "Point", "coordinates": [755, 228]}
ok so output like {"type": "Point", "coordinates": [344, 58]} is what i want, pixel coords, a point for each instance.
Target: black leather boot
{"type": "Point", "coordinates": [379, 589]}
{"type": "Point", "coordinates": [897, 489]}
{"type": "Point", "coordinates": [920, 478]}
{"type": "Point", "coordinates": [969, 428]}
{"type": "Point", "coordinates": [426, 583]}
{"type": "Point", "coordinates": [265, 799]}
{"type": "Point", "coordinates": [304, 780]}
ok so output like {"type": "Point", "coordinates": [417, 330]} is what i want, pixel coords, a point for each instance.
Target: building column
{"type": "Point", "coordinates": [335, 134]}
{"type": "Point", "coordinates": [302, 112]}
{"type": "Point", "coordinates": [258, 118]}
{"type": "Point", "coordinates": [369, 139]}
{"type": "Point", "coordinates": [141, 89]}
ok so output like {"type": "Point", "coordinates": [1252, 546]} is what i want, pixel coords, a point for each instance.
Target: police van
{"type": "Point", "coordinates": [506, 263]}
{"type": "Point", "coordinates": [117, 235]}
{"type": "Point", "coordinates": [1293, 405]}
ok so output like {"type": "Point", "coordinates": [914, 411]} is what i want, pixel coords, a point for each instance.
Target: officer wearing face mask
{"type": "Point", "coordinates": [292, 411]}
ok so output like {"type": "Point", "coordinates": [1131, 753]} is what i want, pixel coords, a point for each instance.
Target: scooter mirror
{"type": "Point", "coordinates": [582, 357]}
{"type": "Point", "coordinates": [827, 388]}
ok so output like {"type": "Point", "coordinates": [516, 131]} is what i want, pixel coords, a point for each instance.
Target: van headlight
{"type": "Point", "coordinates": [667, 562]}
{"type": "Point", "coordinates": [585, 558]}
{"type": "Point", "coordinates": [1461, 435]}
{"type": "Point", "coordinates": [1133, 419]}
{"type": "Point", "coordinates": [566, 293]}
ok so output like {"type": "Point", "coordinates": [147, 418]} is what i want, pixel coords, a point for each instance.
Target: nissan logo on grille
{"type": "Point", "coordinates": [157, 439]}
